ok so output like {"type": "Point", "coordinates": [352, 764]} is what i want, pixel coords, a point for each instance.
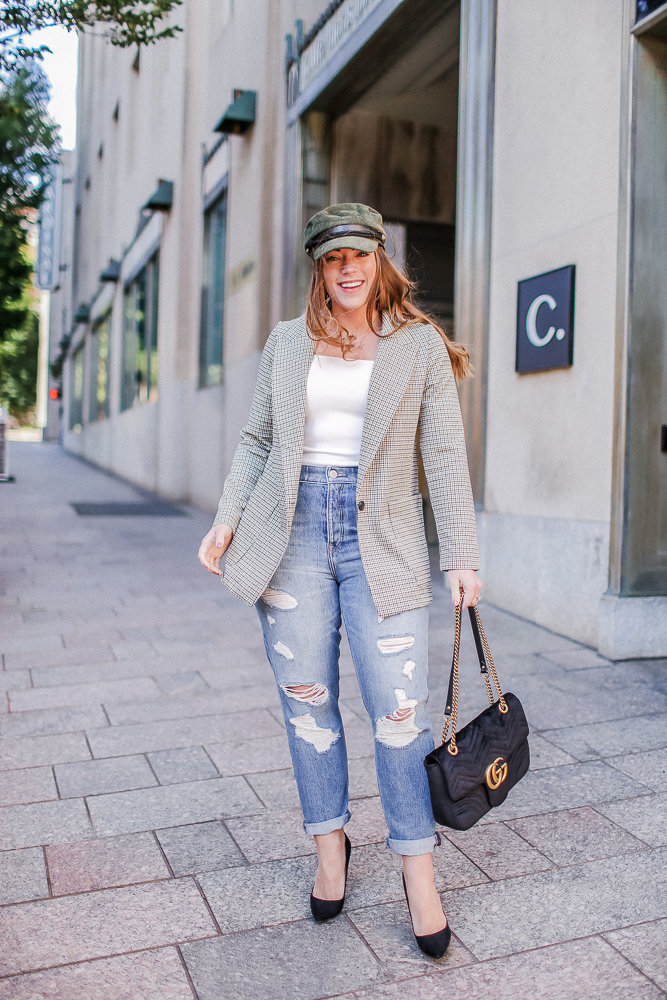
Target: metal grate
{"type": "Point", "coordinates": [127, 510]}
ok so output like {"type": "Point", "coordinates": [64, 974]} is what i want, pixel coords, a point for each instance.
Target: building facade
{"type": "Point", "coordinates": [516, 151]}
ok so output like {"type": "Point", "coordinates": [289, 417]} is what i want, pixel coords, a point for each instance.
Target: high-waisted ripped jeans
{"type": "Point", "coordinates": [319, 581]}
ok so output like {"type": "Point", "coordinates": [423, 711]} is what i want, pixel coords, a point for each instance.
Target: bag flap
{"type": "Point", "coordinates": [492, 734]}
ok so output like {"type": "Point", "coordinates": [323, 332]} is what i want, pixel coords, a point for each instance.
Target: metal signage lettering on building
{"type": "Point", "coordinates": [545, 321]}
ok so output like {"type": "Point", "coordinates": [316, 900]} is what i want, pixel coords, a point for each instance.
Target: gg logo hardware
{"type": "Point", "coordinates": [495, 774]}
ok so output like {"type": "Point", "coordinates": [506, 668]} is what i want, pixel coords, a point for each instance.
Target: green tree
{"type": "Point", "coordinates": [19, 356]}
{"type": "Point", "coordinates": [28, 147]}
{"type": "Point", "coordinates": [129, 22]}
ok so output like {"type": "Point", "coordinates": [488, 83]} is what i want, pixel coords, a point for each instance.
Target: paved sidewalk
{"type": "Point", "coordinates": [150, 838]}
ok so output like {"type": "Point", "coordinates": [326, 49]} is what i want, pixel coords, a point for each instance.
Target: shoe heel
{"type": "Point", "coordinates": [327, 909]}
{"type": "Point", "coordinates": [433, 945]}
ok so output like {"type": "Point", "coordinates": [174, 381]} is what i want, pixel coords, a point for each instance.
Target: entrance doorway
{"type": "Point", "coordinates": [395, 149]}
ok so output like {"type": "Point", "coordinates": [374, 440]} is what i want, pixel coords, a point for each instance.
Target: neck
{"type": "Point", "coordinates": [355, 321]}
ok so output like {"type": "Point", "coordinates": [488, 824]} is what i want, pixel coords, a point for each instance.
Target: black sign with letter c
{"type": "Point", "coordinates": [545, 321]}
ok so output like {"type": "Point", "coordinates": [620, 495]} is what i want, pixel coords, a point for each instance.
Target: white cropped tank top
{"type": "Point", "coordinates": [336, 396]}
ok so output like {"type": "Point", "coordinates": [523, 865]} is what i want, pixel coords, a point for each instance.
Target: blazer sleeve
{"type": "Point", "coordinates": [443, 449]}
{"type": "Point", "coordinates": [253, 450]}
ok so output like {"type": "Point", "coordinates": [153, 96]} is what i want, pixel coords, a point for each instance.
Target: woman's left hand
{"type": "Point", "coordinates": [466, 582]}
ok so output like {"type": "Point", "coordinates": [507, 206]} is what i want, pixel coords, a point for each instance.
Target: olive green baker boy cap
{"type": "Point", "coordinates": [355, 226]}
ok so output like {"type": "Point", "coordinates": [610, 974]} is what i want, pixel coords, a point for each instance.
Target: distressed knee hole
{"type": "Point", "coordinates": [409, 668]}
{"type": "Point", "coordinates": [398, 729]}
{"type": "Point", "coordinates": [270, 619]}
{"type": "Point", "coordinates": [307, 729]}
{"type": "Point", "coordinates": [395, 644]}
{"type": "Point", "coordinates": [308, 694]}
{"type": "Point", "coordinates": [284, 650]}
{"type": "Point", "coordinates": [279, 599]}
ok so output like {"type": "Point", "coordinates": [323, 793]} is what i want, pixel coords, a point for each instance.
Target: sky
{"type": "Point", "coordinates": [60, 67]}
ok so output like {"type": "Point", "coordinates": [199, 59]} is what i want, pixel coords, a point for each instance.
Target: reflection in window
{"type": "Point", "coordinates": [139, 375]}
{"type": "Point", "coordinates": [213, 294]}
{"type": "Point", "coordinates": [98, 402]}
{"type": "Point", "coordinates": [76, 391]}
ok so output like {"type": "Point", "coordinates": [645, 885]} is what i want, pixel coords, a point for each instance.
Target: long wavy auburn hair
{"type": "Point", "coordinates": [391, 293]}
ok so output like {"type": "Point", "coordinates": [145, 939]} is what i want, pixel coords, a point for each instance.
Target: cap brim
{"type": "Point", "coordinates": [346, 242]}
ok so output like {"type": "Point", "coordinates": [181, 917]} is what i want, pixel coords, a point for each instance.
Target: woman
{"type": "Point", "coordinates": [321, 519]}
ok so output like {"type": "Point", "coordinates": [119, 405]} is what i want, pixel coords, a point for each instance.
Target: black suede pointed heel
{"type": "Point", "coordinates": [326, 909]}
{"type": "Point", "coordinates": [433, 945]}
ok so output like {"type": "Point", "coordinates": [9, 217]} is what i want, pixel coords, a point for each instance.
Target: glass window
{"type": "Point", "coordinates": [98, 402]}
{"type": "Point", "coordinates": [213, 294]}
{"type": "Point", "coordinates": [76, 390]}
{"type": "Point", "coordinates": [140, 360]}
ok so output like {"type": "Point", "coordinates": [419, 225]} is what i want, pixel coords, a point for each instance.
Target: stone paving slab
{"type": "Point", "coordinates": [43, 823]}
{"type": "Point", "coordinates": [276, 789]}
{"type": "Point", "coordinates": [64, 695]}
{"type": "Point", "coordinates": [649, 768]}
{"type": "Point", "coordinates": [95, 777]}
{"type": "Point", "coordinates": [545, 754]}
{"type": "Point", "coordinates": [32, 784]}
{"type": "Point", "coordinates": [14, 680]}
{"type": "Point", "coordinates": [31, 751]}
{"type": "Point", "coordinates": [52, 720]}
{"type": "Point", "coordinates": [22, 876]}
{"type": "Point", "coordinates": [645, 946]}
{"type": "Point", "coordinates": [559, 905]}
{"type": "Point", "coordinates": [261, 964]}
{"type": "Point", "coordinates": [499, 852]}
{"type": "Point", "coordinates": [250, 756]}
{"type": "Point", "coordinates": [186, 732]}
{"type": "Point", "coordinates": [199, 847]}
{"type": "Point", "coordinates": [190, 802]}
{"type": "Point", "coordinates": [98, 924]}
{"type": "Point", "coordinates": [188, 764]}
{"type": "Point", "coordinates": [576, 835]}
{"type": "Point", "coordinates": [104, 864]}
{"type": "Point", "coordinates": [116, 670]}
{"type": "Point", "coordinates": [148, 975]}
{"type": "Point", "coordinates": [580, 969]}
{"type": "Point", "coordinates": [612, 739]}
{"type": "Point", "coordinates": [390, 936]}
{"type": "Point", "coordinates": [259, 895]}
{"type": "Point", "coordinates": [56, 657]}
{"type": "Point", "coordinates": [646, 818]}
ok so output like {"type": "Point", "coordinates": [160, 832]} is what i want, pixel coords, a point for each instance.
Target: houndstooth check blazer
{"type": "Point", "coordinates": [412, 390]}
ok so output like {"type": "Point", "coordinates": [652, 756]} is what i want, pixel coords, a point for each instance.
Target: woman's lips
{"type": "Point", "coordinates": [350, 286]}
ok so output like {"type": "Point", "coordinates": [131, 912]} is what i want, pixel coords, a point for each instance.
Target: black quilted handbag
{"type": "Point", "coordinates": [475, 769]}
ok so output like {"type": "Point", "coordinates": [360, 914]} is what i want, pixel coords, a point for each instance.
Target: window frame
{"type": "Point", "coordinates": [212, 307]}
{"type": "Point", "coordinates": [99, 410]}
{"type": "Point", "coordinates": [139, 360]}
{"type": "Point", "coordinates": [76, 382]}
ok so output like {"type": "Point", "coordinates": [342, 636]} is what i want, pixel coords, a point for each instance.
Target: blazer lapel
{"type": "Point", "coordinates": [393, 366]}
{"type": "Point", "coordinates": [294, 354]}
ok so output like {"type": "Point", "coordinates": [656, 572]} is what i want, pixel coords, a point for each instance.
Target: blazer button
{"type": "Point", "coordinates": [361, 505]}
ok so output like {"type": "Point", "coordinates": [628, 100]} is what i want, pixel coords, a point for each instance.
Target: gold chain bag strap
{"type": "Point", "coordinates": [473, 770]}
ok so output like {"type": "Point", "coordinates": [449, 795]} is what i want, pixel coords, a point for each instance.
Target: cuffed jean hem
{"type": "Point", "coordinates": [414, 847]}
{"type": "Point", "coordinates": [328, 826]}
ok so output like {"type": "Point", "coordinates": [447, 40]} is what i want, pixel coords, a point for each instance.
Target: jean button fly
{"type": "Point", "coordinates": [333, 474]}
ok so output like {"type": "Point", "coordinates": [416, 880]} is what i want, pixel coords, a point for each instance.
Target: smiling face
{"type": "Point", "coordinates": [348, 278]}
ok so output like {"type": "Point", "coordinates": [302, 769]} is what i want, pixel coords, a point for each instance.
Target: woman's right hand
{"type": "Point", "coordinates": [213, 547]}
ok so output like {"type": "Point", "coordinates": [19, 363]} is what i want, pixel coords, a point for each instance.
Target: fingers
{"type": "Point", "coordinates": [465, 586]}
{"type": "Point", "coordinates": [214, 545]}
